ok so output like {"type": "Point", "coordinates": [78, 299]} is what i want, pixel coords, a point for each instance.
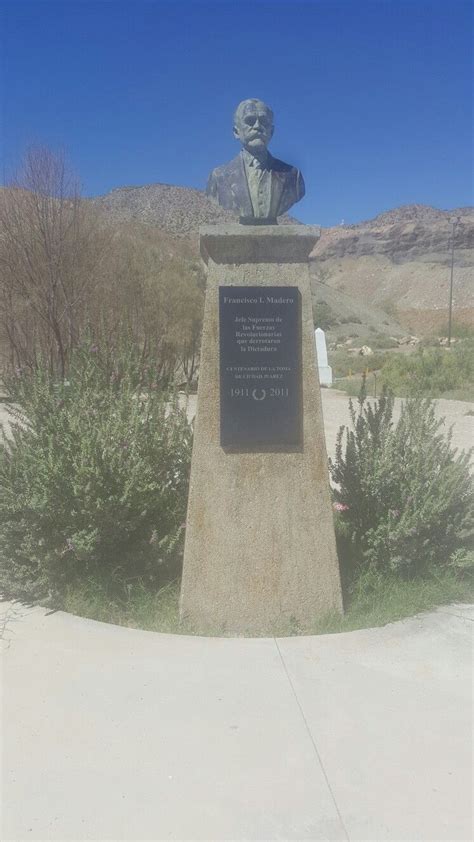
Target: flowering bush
{"type": "Point", "coordinates": [93, 477]}
{"type": "Point", "coordinates": [403, 496]}
{"type": "Point", "coordinates": [340, 507]}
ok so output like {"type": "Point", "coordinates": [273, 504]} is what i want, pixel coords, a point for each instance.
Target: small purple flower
{"type": "Point", "coordinates": [93, 349]}
{"type": "Point", "coordinates": [70, 548]}
{"type": "Point", "coordinates": [340, 507]}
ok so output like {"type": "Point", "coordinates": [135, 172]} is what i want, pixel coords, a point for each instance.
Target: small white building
{"type": "Point", "coordinates": [325, 370]}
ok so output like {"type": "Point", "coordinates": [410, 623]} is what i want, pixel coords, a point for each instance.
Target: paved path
{"type": "Point", "coordinates": [117, 734]}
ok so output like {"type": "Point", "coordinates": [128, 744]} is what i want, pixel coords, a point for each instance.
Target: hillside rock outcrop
{"type": "Point", "coordinates": [399, 261]}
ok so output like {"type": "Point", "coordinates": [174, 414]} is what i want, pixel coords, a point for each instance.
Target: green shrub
{"type": "Point", "coordinates": [430, 371]}
{"type": "Point", "coordinates": [462, 562]}
{"type": "Point", "coordinates": [350, 320]}
{"type": "Point", "coordinates": [459, 330]}
{"type": "Point", "coordinates": [380, 340]}
{"type": "Point", "coordinates": [323, 315]}
{"type": "Point", "coordinates": [342, 362]}
{"type": "Point", "coordinates": [403, 497]}
{"type": "Point", "coordinates": [93, 478]}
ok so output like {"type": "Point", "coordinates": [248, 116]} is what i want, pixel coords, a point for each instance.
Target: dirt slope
{"type": "Point", "coordinates": [398, 262]}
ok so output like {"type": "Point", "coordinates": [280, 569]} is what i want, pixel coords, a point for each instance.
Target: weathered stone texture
{"type": "Point", "coordinates": [260, 552]}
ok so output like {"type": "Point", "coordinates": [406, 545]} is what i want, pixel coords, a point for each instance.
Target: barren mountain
{"type": "Point", "coordinates": [399, 261]}
{"type": "Point", "coordinates": [178, 210]}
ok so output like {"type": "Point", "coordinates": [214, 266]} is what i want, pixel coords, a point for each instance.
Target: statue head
{"type": "Point", "coordinates": [260, 187]}
{"type": "Point", "coordinates": [253, 125]}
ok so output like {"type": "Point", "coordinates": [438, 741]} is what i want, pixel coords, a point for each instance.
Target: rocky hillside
{"type": "Point", "coordinates": [412, 232]}
{"type": "Point", "coordinates": [398, 262]}
{"type": "Point", "coordinates": [178, 210]}
{"type": "Point", "coordinates": [401, 261]}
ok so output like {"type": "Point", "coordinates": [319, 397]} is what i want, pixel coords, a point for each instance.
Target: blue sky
{"type": "Point", "coordinates": [372, 98]}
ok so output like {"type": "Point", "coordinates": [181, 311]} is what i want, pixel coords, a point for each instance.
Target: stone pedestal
{"type": "Point", "coordinates": [260, 554]}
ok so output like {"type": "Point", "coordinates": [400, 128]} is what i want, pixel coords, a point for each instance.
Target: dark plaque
{"type": "Point", "coordinates": [260, 368]}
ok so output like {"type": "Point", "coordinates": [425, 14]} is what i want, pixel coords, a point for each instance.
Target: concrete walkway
{"type": "Point", "coordinates": [115, 734]}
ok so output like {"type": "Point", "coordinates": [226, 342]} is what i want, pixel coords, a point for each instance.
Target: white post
{"type": "Point", "coordinates": [325, 370]}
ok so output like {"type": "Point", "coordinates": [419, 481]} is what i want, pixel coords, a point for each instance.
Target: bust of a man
{"type": "Point", "coordinates": [256, 185]}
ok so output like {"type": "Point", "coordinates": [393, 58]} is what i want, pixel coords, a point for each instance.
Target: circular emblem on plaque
{"type": "Point", "coordinates": [260, 397]}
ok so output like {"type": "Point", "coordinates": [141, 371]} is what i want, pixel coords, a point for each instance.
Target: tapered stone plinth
{"type": "Point", "coordinates": [260, 554]}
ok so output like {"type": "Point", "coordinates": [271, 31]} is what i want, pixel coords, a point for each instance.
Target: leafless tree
{"type": "Point", "coordinates": [66, 272]}
{"type": "Point", "coordinates": [52, 248]}
{"type": "Point", "coordinates": [154, 296]}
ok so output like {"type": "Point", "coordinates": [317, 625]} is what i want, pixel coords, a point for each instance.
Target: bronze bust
{"type": "Point", "coordinates": [256, 185]}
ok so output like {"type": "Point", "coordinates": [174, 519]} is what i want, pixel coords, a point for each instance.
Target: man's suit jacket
{"type": "Point", "coordinates": [228, 186]}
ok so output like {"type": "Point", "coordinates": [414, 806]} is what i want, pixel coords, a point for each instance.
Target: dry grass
{"type": "Point", "coordinates": [375, 601]}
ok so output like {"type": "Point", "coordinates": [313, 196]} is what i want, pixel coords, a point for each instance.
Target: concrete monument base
{"type": "Point", "coordinates": [260, 553]}
{"type": "Point", "coordinates": [325, 375]}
